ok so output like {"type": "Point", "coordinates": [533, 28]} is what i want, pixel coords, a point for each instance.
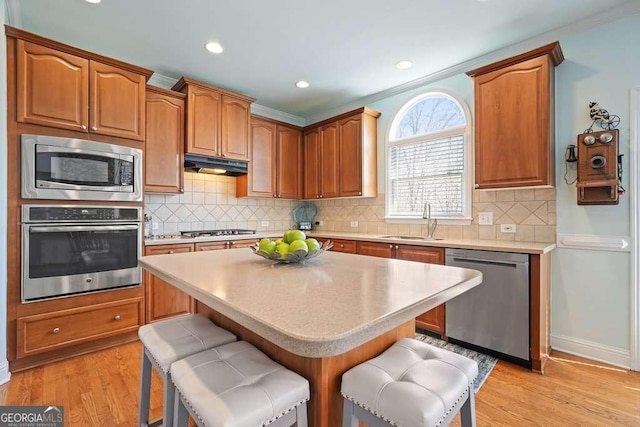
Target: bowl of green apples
{"type": "Point", "coordinates": [293, 246]}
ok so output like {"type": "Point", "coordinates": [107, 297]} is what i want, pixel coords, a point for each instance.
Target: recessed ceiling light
{"type": "Point", "coordinates": [302, 84]}
{"type": "Point", "coordinates": [214, 47]}
{"type": "Point", "coordinates": [93, 1]}
{"type": "Point", "coordinates": [403, 65]}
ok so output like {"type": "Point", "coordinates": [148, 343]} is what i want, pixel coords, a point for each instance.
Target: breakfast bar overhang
{"type": "Point", "coordinates": [318, 318]}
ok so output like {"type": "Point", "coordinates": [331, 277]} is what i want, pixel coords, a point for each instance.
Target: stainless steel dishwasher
{"type": "Point", "coordinates": [495, 314]}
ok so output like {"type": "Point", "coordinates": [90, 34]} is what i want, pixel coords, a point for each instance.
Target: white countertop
{"type": "Point", "coordinates": [324, 307]}
{"type": "Point", "coordinates": [259, 235]}
{"type": "Point", "coordinates": [486, 245]}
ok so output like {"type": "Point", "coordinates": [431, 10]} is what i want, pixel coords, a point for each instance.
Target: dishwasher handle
{"type": "Point", "coordinates": [488, 262]}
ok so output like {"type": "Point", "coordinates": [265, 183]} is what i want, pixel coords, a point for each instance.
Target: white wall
{"type": "Point", "coordinates": [590, 290]}
{"type": "Point", "coordinates": [4, 366]}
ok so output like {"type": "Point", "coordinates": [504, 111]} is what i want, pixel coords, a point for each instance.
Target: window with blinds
{"type": "Point", "coordinates": [426, 159]}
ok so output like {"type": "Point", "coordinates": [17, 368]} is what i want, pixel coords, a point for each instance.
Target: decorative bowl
{"type": "Point", "coordinates": [292, 257]}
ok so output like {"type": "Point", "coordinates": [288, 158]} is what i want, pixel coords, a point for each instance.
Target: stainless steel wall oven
{"type": "Point", "coordinates": [75, 169]}
{"type": "Point", "coordinates": [69, 250]}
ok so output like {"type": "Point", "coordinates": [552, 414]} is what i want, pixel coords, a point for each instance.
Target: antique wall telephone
{"type": "Point", "coordinates": [599, 174]}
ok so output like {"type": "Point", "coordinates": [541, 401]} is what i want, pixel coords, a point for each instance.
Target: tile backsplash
{"type": "Point", "coordinates": [210, 202]}
{"type": "Point", "coordinates": [532, 211]}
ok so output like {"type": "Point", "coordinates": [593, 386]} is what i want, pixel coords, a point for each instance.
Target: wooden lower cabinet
{"type": "Point", "coordinates": [433, 320]}
{"type": "Point", "coordinates": [46, 332]}
{"type": "Point", "coordinates": [162, 299]}
{"type": "Point", "coordinates": [230, 244]}
{"type": "Point", "coordinates": [347, 246]}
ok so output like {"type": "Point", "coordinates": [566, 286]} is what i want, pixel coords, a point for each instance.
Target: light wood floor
{"type": "Point", "coordinates": [101, 389]}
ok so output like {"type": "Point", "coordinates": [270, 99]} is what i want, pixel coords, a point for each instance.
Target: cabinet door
{"type": "Point", "coordinates": [434, 319]}
{"type": "Point", "coordinates": [235, 128]}
{"type": "Point", "coordinates": [244, 243]}
{"type": "Point", "coordinates": [117, 102]}
{"type": "Point", "coordinates": [53, 87]}
{"type": "Point", "coordinates": [164, 145]}
{"type": "Point", "coordinates": [163, 299]}
{"type": "Point", "coordinates": [350, 136]}
{"type": "Point", "coordinates": [381, 250]}
{"type": "Point", "coordinates": [329, 161]}
{"type": "Point", "coordinates": [260, 180]}
{"type": "Point", "coordinates": [312, 164]}
{"type": "Point", "coordinates": [347, 246]}
{"type": "Point", "coordinates": [512, 140]}
{"type": "Point", "coordinates": [203, 122]}
{"type": "Point", "coordinates": [212, 246]}
{"type": "Point", "coordinates": [288, 163]}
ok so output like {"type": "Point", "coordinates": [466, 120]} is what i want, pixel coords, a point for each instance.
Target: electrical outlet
{"type": "Point", "coordinates": [507, 228]}
{"type": "Point", "coordinates": [485, 218]}
{"type": "Point", "coordinates": [319, 223]}
{"type": "Point", "coordinates": [354, 224]}
{"type": "Point", "coordinates": [264, 224]}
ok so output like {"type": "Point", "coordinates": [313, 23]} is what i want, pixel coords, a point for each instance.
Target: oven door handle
{"type": "Point", "coordinates": [39, 229]}
{"type": "Point", "coordinates": [64, 186]}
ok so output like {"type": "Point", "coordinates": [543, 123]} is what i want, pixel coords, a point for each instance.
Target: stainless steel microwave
{"type": "Point", "coordinates": [75, 169]}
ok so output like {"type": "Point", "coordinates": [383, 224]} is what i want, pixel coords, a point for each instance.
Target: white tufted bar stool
{"type": "Point", "coordinates": [236, 385]}
{"type": "Point", "coordinates": [169, 340]}
{"type": "Point", "coordinates": [411, 384]}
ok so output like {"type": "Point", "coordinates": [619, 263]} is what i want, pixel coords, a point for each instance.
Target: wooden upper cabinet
{"type": "Point", "coordinates": [329, 163]}
{"type": "Point", "coordinates": [276, 161]}
{"type": "Point", "coordinates": [260, 180]}
{"type": "Point", "coordinates": [311, 164]}
{"type": "Point", "coordinates": [235, 128]}
{"type": "Point", "coordinates": [117, 102]}
{"type": "Point", "coordinates": [65, 87]}
{"type": "Point", "coordinates": [164, 145]}
{"type": "Point", "coordinates": [52, 87]}
{"type": "Point", "coordinates": [218, 121]}
{"type": "Point", "coordinates": [343, 153]}
{"type": "Point", "coordinates": [288, 163]}
{"type": "Point", "coordinates": [514, 127]}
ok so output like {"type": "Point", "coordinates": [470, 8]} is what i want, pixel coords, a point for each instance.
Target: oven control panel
{"type": "Point", "coordinates": [31, 213]}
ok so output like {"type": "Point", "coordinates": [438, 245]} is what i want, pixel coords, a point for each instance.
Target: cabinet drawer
{"type": "Point", "coordinates": [168, 249]}
{"type": "Point", "coordinates": [348, 246]}
{"type": "Point", "coordinates": [46, 332]}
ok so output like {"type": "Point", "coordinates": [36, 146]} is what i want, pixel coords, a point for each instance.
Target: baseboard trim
{"type": "Point", "coordinates": [5, 375]}
{"type": "Point", "coordinates": [592, 350]}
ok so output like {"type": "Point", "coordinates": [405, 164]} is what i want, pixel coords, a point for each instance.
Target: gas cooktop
{"type": "Point", "coordinates": [214, 233]}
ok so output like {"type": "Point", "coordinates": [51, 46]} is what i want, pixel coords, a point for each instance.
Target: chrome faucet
{"type": "Point", "coordinates": [431, 224]}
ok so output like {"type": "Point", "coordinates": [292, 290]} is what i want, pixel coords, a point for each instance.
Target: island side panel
{"type": "Point", "coordinates": [540, 268]}
{"type": "Point", "coordinates": [324, 374]}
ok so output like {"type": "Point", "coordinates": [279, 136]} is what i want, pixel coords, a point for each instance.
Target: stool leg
{"type": "Point", "coordinates": [301, 415]}
{"type": "Point", "coordinates": [169, 400]}
{"type": "Point", "coordinates": [468, 411]}
{"type": "Point", "coordinates": [348, 417]}
{"type": "Point", "coordinates": [145, 389]}
{"type": "Point", "coordinates": [181, 415]}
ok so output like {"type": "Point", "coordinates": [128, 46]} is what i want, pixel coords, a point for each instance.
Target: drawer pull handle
{"type": "Point", "coordinates": [170, 252]}
{"type": "Point", "coordinates": [56, 330]}
{"type": "Point", "coordinates": [390, 246]}
{"type": "Point", "coordinates": [117, 317]}
{"type": "Point", "coordinates": [83, 127]}
{"type": "Point", "coordinates": [94, 128]}
{"type": "Point", "coordinates": [342, 245]}
{"type": "Point", "coordinates": [397, 246]}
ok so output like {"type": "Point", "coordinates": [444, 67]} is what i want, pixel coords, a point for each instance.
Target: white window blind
{"type": "Point", "coordinates": [430, 170]}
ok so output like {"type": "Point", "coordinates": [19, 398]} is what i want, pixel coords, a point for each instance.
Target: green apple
{"type": "Point", "coordinates": [312, 244]}
{"type": "Point", "coordinates": [299, 247]}
{"type": "Point", "coordinates": [287, 236]}
{"type": "Point", "coordinates": [279, 241]}
{"type": "Point", "coordinates": [296, 235]}
{"type": "Point", "coordinates": [267, 245]}
{"type": "Point", "coordinates": [282, 249]}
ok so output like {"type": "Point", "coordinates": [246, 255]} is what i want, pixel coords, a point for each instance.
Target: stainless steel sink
{"type": "Point", "coordinates": [411, 238]}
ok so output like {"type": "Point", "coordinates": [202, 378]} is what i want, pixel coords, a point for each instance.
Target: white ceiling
{"type": "Point", "coordinates": [346, 49]}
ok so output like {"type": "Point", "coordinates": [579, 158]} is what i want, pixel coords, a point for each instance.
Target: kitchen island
{"type": "Point", "coordinates": [319, 318]}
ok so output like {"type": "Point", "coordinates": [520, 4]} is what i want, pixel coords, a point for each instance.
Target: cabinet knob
{"type": "Point", "coordinates": [94, 128]}
{"type": "Point", "coordinates": [342, 245]}
{"type": "Point", "coordinates": [55, 330]}
{"type": "Point", "coordinates": [476, 186]}
{"type": "Point", "coordinates": [170, 252]}
{"type": "Point", "coordinates": [278, 195]}
{"type": "Point", "coordinates": [274, 195]}
{"type": "Point", "coordinates": [182, 190]}
{"type": "Point", "coordinates": [390, 246]}
{"type": "Point", "coordinates": [233, 243]}
{"type": "Point", "coordinates": [224, 155]}
{"type": "Point", "coordinates": [397, 246]}
{"type": "Point", "coordinates": [359, 193]}
{"type": "Point", "coordinates": [117, 317]}
{"type": "Point", "coordinates": [321, 196]}
{"type": "Point", "coordinates": [83, 127]}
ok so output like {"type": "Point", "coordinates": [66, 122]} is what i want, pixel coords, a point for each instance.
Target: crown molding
{"type": "Point", "coordinates": [14, 15]}
{"type": "Point", "coordinates": [272, 113]}
{"type": "Point", "coordinates": [624, 10]}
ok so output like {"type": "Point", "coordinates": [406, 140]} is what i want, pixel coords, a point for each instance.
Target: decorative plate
{"type": "Point", "coordinates": [291, 257]}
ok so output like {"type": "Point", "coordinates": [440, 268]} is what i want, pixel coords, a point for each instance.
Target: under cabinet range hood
{"type": "Point", "coordinates": [214, 165]}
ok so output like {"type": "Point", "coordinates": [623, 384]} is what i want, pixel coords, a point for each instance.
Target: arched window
{"type": "Point", "coordinates": [427, 159]}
